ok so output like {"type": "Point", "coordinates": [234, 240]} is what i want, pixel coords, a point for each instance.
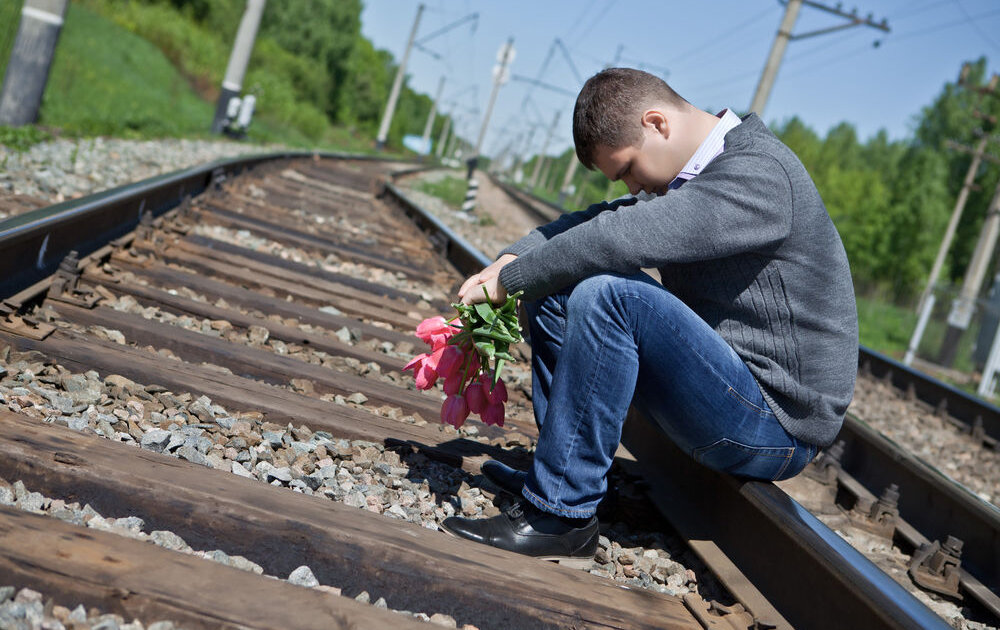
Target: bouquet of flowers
{"type": "Point", "coordinates": [469, 358]}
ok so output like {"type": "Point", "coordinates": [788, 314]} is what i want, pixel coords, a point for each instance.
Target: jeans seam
{"type": "Point", "coordinates": [746, 403]}
{"type": "Point", "coordinates": [784, 467]}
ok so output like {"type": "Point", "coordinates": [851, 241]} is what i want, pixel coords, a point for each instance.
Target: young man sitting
{"type": "Point", "coordinates": [745, 352]}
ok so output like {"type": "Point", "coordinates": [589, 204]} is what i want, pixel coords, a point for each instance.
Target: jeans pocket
{"type": "Point", "coordinates": [755, 462]}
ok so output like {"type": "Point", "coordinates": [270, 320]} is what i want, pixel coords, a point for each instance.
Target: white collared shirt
{"type": "Point", "coordinates": [709, 149]}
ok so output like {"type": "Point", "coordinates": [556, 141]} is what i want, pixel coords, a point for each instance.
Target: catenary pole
{"type": "Point", "coordinates": [238, 61]}
{"type": "Point", "coordinates": [397, 85]}
{"type": "Point", "coordinates": [500, 76]}
{"type": "Point", "coordinates": [30, 60]}
{"type": "Point", "coordinates": [774, 58]}
{"type": "Point", "coordinates": [784, 35]}
{"type": "Point", "coordinates": [443, 137]}
{"type": "Point", "coordinates": [964, 306]}
{"type": "Point", "coordinates": [956, 213]}
{"type": "Point", "coordinates": [564, 190]}
{"type": "Point", "coordinates": [430, 117]}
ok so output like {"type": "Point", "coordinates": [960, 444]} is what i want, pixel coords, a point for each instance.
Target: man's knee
{"type": "Point", "coordinates": [597, 292]}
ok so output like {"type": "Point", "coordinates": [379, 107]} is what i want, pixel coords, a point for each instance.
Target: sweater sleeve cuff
{"type": "Point", "coordinates": [511, 278]}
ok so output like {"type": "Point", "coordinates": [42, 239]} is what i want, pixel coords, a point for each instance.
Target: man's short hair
{"type": "Point", "coordinates": [609, 106]}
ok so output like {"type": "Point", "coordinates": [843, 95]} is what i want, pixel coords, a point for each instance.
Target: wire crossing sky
{"type": "Point", "coordinates": [712, 53]}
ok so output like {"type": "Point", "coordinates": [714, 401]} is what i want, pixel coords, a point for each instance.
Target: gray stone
{"type": "Point", "coordinates": [156, 440]}
{"type": "Point", "coordinates": [168, 540]}
{"type": "Point", "coordinates": [331, 310]}
{"type": "Point", "coordinates": [77, 423]}
{"type": "Point", "coordinates": [107, 623]}
{"type": "Point", "coordinates": [238, 469]}
{"type": "Point", "coordinates": [357, 398]}
{"type": "Point", "coordinates": [273, 438]}
{"type": "Point", "coordinates": [6, 592]}
{"type": "Point", "coordinates": [193, 455]}
{"type": "Point", "coordinates": [130, 522]}
{"type": "Point", "coordinates": [313, 480]}
{"type": "Point", "coordinates": [344, 335]}
{"type": "Point", "coordinates": [363, 597]}
{"type": "Point", "coordinates": [302, 448]}
{"type": "Point", "coordinates": [283, 474]}
{"type": "Point", "coordinates": [226, 422]}
{"type": "Point", "coordinates": [303, 576]}
{"type": "Point", "coordinates": [245, 565]}
{"type": "Point", "coordinates": [6, 496]}
{"type": "Point", "coordinates": [258, 335]}
{"type": "Point", "coordinates": [78, 615]}
{"type": "Point", "coordinates": [203, 409]}
{"type": "Point", "coordinates": [177, 439]}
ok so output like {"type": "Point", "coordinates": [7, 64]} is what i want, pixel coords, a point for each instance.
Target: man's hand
{"type": "Point", "coordinates": [472, 289]}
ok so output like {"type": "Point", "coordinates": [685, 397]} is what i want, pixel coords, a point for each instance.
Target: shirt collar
{"type": "Point", "coordinates": [709, 149]}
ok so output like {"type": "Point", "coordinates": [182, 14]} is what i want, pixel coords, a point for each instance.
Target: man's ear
{"type": "Point", "coordinates": [656, 120]}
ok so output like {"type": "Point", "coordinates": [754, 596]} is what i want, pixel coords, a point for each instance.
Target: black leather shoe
{"type": "Point", "coordinates": [504, 477]}
{"type": "Point", "coordinates": [523, 528]}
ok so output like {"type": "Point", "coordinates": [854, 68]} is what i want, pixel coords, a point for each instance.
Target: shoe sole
{"type": "Point", "coordinates": [564, 561]}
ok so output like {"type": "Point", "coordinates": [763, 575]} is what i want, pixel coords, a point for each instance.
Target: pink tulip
{"type": "Point", "coordinates": [453, 382]}
{"type": "Point", "coordinates": [475, 396]}
{"type": "Point", "coordinates": [416, 363]}
{"type": "Point", "coordinates": [499, 393]}
{"type": "Point", "coordinates": [493, 414]}
{"type": "Point", "coordinates": [449, 361]}
{"type": "Point", "coordinates": [454, 411]}
{"type": "Point", "coordinates": [435, 330]}
{"type": "Point", "coordinates": [425, 377]}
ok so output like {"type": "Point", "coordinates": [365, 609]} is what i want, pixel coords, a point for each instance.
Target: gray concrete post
{"type": "Point", "coordinates": [30, 60]}
{"type": "Point", "coordinates": [238, 61]}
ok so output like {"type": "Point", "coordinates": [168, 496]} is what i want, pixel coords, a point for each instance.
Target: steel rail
{"type": "Point", "coordinates": [811, 573]}
{"type": "Point", "coordinates": [45, 236]}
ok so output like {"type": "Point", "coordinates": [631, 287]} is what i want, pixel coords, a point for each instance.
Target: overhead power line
{"type": "Point", "coordinates": [785, 35]}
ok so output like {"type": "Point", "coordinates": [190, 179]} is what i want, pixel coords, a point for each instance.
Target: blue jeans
{"type": "Point", "coordinates": [611, 341]}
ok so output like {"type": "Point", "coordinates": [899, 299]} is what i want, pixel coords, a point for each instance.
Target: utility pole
{"type": "Point", "coordinates": [500, 76]}
{"type": "Point", "coordinates": [963, 197]}
{"type": "Point", "coordinates": [30, 60]}
{"type": "Point", "coordinates": [443, 138]}
{"type": "Point", "coordinates": [239, 58]}
{"type": "Point", "coordinates": [963, 307]}
{"type": "Point", "coordinates": [564, 190]}
{"type": "Point", "coordinates": [430, 117]}
{"type": "Point", "coordinates": [397, 85]}
{"type": "Point", "coordinates": [784, 35]}
{"type": "Point", "coordinates": [545, 147]}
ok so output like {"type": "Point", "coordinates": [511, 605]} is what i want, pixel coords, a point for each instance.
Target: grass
{"type": "Point", "coordinates": [449, 189]}
{"type": "Point", "coordinates": [22, 138]}
{"type": "Point", "coordinates": [107, 81]}
{"type": "Point", "coordinates": [884, 327]}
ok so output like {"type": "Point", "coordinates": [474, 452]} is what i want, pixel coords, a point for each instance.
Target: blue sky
{"type": "Point", "coordinates": [712, 53]}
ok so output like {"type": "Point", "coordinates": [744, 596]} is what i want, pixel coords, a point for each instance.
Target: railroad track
{"type": "Point", "coordinates": [950, 535]}
{"type": "Point", "coordinates": [210, 361]}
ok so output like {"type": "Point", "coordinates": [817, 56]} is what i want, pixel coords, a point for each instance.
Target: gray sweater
{"type": "Point", "coordinates": [748, 245]}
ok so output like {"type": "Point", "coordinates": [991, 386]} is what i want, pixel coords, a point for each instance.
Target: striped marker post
{"type": "Point", "coordinates": [470, 196]}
